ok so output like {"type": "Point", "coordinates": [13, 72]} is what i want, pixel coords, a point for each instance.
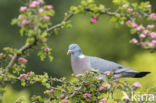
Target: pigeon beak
{"type": "Point", "coordinates": [69, 52]}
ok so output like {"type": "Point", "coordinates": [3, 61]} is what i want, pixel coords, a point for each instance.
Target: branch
{"type": "Point", "coordinates": [29, 46]}
{"type": "Point", "coordinates": [60, 24]}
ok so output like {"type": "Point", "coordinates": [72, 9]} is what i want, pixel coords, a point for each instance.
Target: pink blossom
{"type": "Point", "coordinates": [107, 72]}
{"type": "Point", "coordinates": [116, 76]}
{"type": "Point", "coordinates": [140, 28]}
{"type": "Point", "coordinates": [62, 95]}
{"type": "Point", "coordinates": [100, 78]}
{"type": "Point", "coordinates": [49, 6]}
{"type": "Point", "coordinates": [65, 101]}
{"type": "Point", "coordinates": [147, 95]}
{"type": "Point", "coordinates": [149, 6]}
{"type": "Point", "coordinates": [21, 76]}
{"type": "Point", "coordinates": [24, 22]}
{"type": "Point", "coordinates": [134, 25]}
{"type": "Point", "coordinates": [145, 31]}
{"type": "Point", "coordinates": [137, 84]}
{"type": "Point", "coordinates": [94, 20]}
{"type": "Point", "coordinates": [125, 5]}
{"type": "Point", "coordinates": [107, 86]}
{"type": "Point", "coordinates": [23, 9]}
{"type": "Point", "coordinates": [117, 86]}
{"type": "Point", "coordinates": [151, 45]}
{"type": "Point", "coordinates": [20, 17]}
{"type": "Point", "coordinates": [100, 88]}
{"type": "Point", "coordinates": [46, 49]}
{"type": "Point", "coordinates": [34, 4]}
{"type": "Point", "coordinates": [103, 100]}
{"type": "Point", "coordinates": [127, 22]}
{"type": "Point", "coordinates": [41, 10]}
{"type": "Point", "coordinates": [10, 56]}
{"type": "Point", "coordinates": [1, 54]}
{"type": "Point", "coordinates": [130, 9]}
{"type": "Point", "coordinates": [51, 91]}
{"type": "Point", "coordinates": [44, 40]}
{"type": "Point", "coordinates": [154, 41]}
{"type": "Point", "coordinates": [41, 1]}
{"type": "Point", "coordinates": [28, 73]}
{"type": "Point", "coordinates": [134, 40]}
{"type": "Point", "coordinates": [87, 95]}
{"type": "Point", "coordinates": [46, 18]}
{"type": "Point", "coordinates": [153, 34]}
{"type": "Point", "coordinates": [150, 26]}
{"type": "Point", "coordinates": [142, 35]}
{"type": "Point", "coordinates": [125, 97]}
{"type": "Point", "coordinates": [21, 59]}
{"type": "Point", "coordinates": [153, 15]}
{"type": "Point", "coordinates": [143, 44]}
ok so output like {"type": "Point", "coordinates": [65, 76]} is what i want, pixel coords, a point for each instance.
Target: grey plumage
{"type": "Point", "coordinates": [81, 63]}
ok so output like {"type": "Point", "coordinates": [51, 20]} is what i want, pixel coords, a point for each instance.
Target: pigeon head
{"type": "Point", "coordinates": [74, 50]}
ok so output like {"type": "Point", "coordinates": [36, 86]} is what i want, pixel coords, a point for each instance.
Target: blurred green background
{"type": "Point", "coordinates": [106, 39]}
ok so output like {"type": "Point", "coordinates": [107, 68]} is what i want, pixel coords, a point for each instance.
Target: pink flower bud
{"type": "Point", "coordinates": [1, 54]}
{"type": "Point", "coordinates": [28, 73]}
{"type": "Point", "coordinates": [149, 6]}
{"type": "Point", "coordinates": [100, 88]}
{"type": "Point", "coordinates": [117, 86]}
{"type": "Point", "coordinates": [153, 15]}
{"type": "Point", "coordinates": [41, 1]}
{"type": "Point", "coordinates": [51, 91]}
{"type": "Point", "coordinates": [87, 95]}
{"type": "Point", "coordinates": [125, 5]}
{"type": "Point", "coordinates": [153, 35]}
{"type": "Point", "coordinates": [145, 31]}
{"type": "Point", "coordinates": [46, 49]}
{"type": "Point", "coordinates": [24, 22]}
{"type": "Point", "coordinates": [151, 45]}
{"type": "Point", "coordinates": [142, 35]}
{"type": "Point", "coordinates": [49, 6]}
{"type": "Point", "coordinates": [150, 26]}
{"type": "Point", "coordinates": [134, 40]}
{"type": "Point", "coordinates": [23, 9]}
{"type": "Point", "coordinates": [41, 10]}
{"type": "Point", "coordinates": [100, 78]}
{"type": "Point", "coordinates": [46, 18]}
{"type": "Point", "coordinates": [103, 100]}
{"type": "Point", "coordinates": [125, 98]}
{"type": "Point", "coordinates": [44, 40]}
{"type": "Point", "coordinates": [94, 20]}
{"type": "Point", "coordinates": [10, 56]}
{"type": "Point", "coordinates": [137, 84]}
{"type": "Point", "coordinates": [20, 17]}
{"type": "Point", "coordinates": [127, 22]}
{"type": "Point", "coordinates": [154, 41]}
{"type": "Point", "coordinates": [62, 95]}
{"type": "Point", "coordinates": [107, 73]}
{"type": "Point", "coordinates": [130, 9]}
{"type": "Point", "coordinates": [21, 76]}
{"type": "Point", "coordinates": [107, 86]}
{"type": "Point", "coordinates": [116, 76]}
{"type": "Point", "coordinates": [134, 25]}
{"type": "Point", "coordinates": [21, 59]}
{"type": "Point", "coordinates": [65, 101]}
{"type": "Point", "coordinates": [143, 44]}
{"type": "Point", "coordinates": [147, 95]}
{"type": "Point", "coordinates": [140, 28]}
{"type": "Point", "coordinates": [34, 4]}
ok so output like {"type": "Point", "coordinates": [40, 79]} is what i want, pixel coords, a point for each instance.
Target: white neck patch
{"type": "Point", "coordinates": [81, 56]}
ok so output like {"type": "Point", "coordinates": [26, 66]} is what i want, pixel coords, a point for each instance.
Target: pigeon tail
{"type": "Point", "coordinates": [141, 74]}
